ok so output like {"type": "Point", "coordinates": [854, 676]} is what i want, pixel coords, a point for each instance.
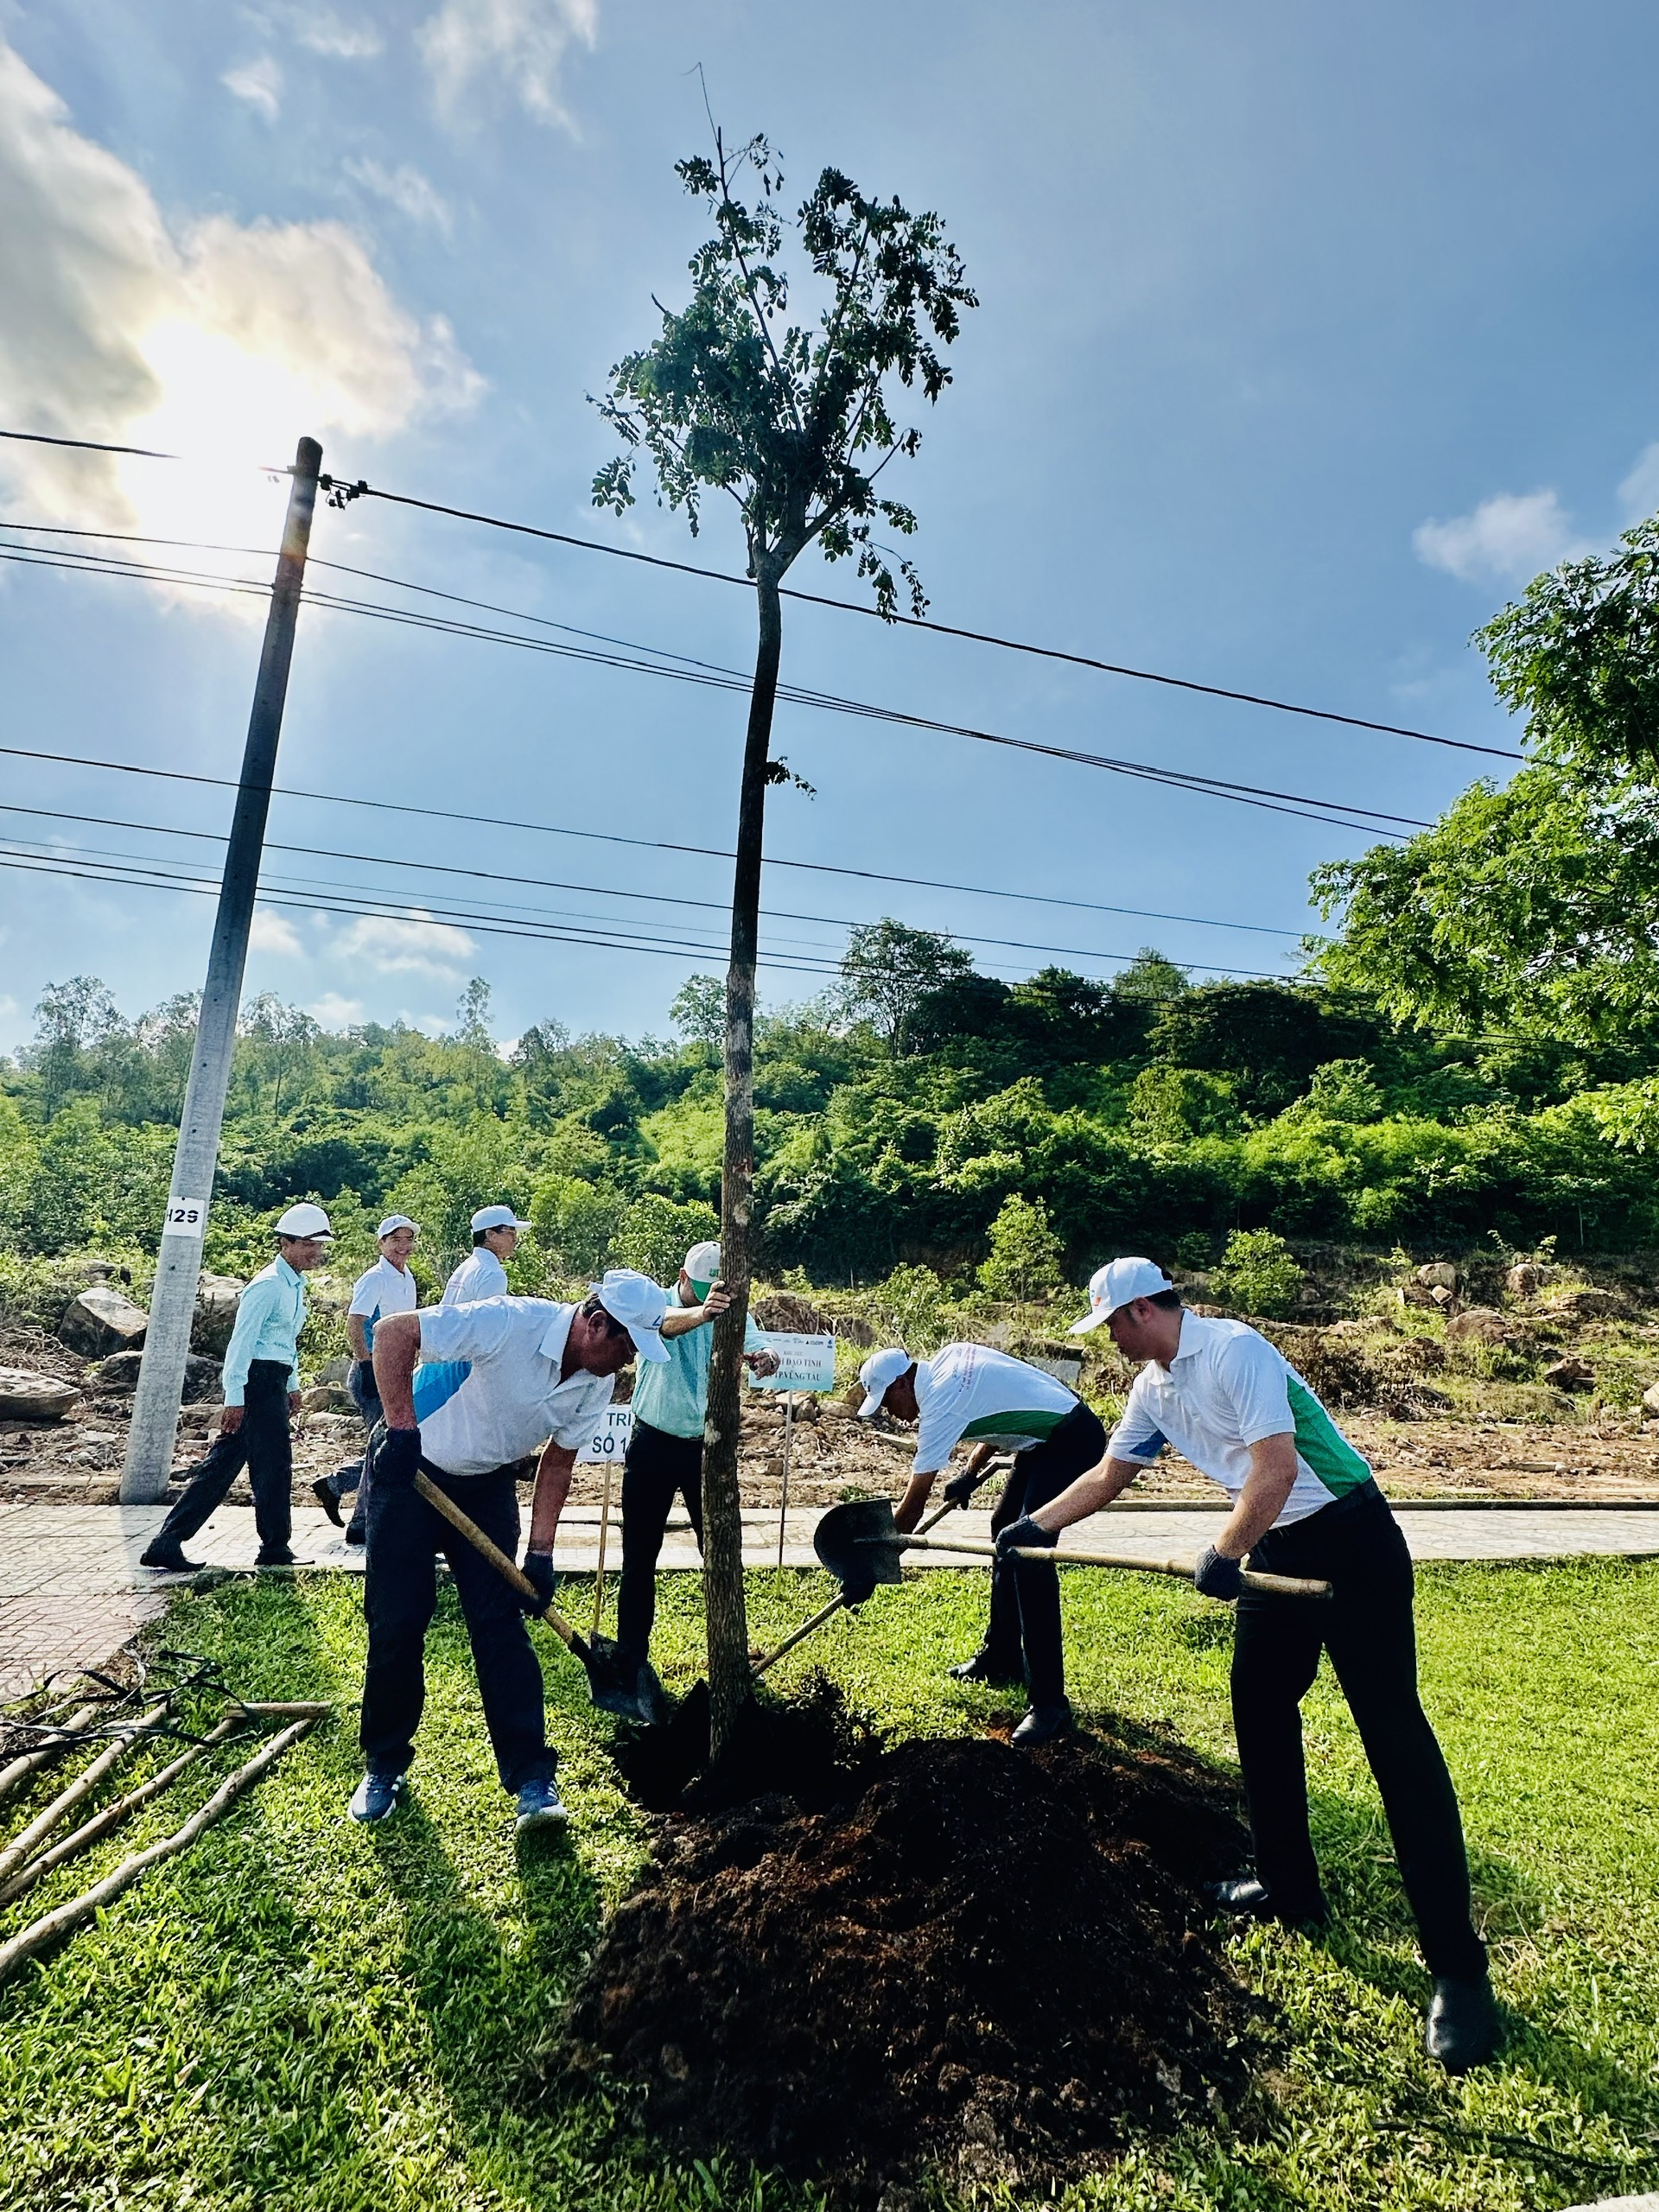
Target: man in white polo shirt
{"type": "Point", "coordinates": [1304, 1503]}
{"type": "Point", "coordinates": [387, 1288]}
{"type": "Point", "coordinates": [967, 1392]}
{"type": "Point", "coordinates": [483, 1273]}
{"type": "Point", "coordinates": [533, 1372]}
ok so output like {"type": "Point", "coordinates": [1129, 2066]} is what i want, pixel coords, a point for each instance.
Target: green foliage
{"type": "Point", "coordinates": [1257, 1273]}
{"type": "Point", "coordinates": [655, 1235]}
{"type": "Point", "coordinates": [1026, 1255]}
{"type": "Point", "coordinates": [910, 1305]}
{"type": "Point", "coordinates": [889, 971]}
{"type": "Point", "coordinates": [576, 1223]}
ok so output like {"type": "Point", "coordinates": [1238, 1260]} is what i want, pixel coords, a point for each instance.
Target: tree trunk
{"type": "Point", "coordinates": [730, 1682]}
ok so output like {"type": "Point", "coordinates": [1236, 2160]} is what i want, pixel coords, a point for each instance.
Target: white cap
{"type": "Point", "coordinates": [395, 1221]}
{"type": "Point", "coordinates": [879, 1371]}
{"type": "Point", "coordinates": [496, 1218]}
{"type": "Point", "coordinates": [639, 1305]}
{"type": "Point", "coordinates": [702, 1263]}
{"type": "Point", "coordinates": [1115, 1284]}
{"type": "Point", "coordinates": [304, 1220]}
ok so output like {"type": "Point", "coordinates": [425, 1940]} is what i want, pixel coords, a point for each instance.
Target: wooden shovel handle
{"type": "Point", "coordinates": [1278, 1585]}
{"type": "Point", "coordinates": [442, 1503]}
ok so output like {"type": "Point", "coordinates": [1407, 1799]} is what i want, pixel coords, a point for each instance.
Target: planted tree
{"type": "Point", "coordinates": [796, 425]}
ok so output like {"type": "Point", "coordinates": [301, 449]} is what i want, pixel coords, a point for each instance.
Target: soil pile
{"type": "Point", "coordinates": [991, 1960]}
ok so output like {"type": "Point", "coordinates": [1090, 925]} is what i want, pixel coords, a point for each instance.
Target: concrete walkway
{"type": "Point", "coordinates": [72, 1591]}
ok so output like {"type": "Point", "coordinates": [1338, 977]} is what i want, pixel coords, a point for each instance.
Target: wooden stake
{"type": "Point", "coordinates": [782, 1503]}
{"type": "Point", "coordinates": [599, 1571]}
{"type": "Point", "coordinates": [45, 1821]}
{"type": "Point", "coordinates": [36, 1938]}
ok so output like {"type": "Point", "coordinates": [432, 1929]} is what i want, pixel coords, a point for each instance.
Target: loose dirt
{"type": "Point", "coordinates": [992, 1962]}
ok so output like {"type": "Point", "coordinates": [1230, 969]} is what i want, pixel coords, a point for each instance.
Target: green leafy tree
{"type": "Point", "coordinates": [576, 1223]}
{"type": "Point", "coordinates": [1150, 974]}
{"type": "Point", "coordinates": [911, 1301]}
{"type": "Point", "coordinates": [655, 1235]}
{"type": "Point", "coordinates": [795, 426]}
{"type": "Point", "coordinates": [1258, 1274]}
{"type": "Point", "coordinates": [888, 970]}
{"type": "Point", "coordinates": [699, 1010]}
{"type": "Point", "coordinates": [1025, 1254]}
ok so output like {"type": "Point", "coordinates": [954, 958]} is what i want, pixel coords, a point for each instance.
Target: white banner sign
{"type": "Point", "coordinates": [185, 1217]}
{"type": "Point", "coordinates": [609, 1441]}
{"type": "Point", "coordinates": [803, 1363]}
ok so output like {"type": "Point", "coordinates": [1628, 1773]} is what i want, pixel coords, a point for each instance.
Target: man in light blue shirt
{"type": "Point", "coordinates": [671, 1403]}
{"type": "Point", "coordinates": [262, 1384]}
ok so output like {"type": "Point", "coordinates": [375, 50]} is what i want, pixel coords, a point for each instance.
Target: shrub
{"type": "Point", "coordinates": [1257, 1273]}
{"type": "Point", "coordinates": [1025, 1257]}
{"type": "Point", "coordinates": [655, 1235]}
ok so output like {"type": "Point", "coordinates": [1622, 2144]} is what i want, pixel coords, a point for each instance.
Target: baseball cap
{"type": "Point", "coordinates": [395, 1221]}
{"type": "Point", "coordinates": [496, 1218]}
{"type": "Point", "coordinates": [880, 1369]}
{"type": "Point", "coordinates": [702, 1267]}
{"type": "Point", "coordinates": [639, 1305]}
{"type": "Point", "coordinates": [304, 1220]}
{"type": "Point", "coordinates": [1115, 1284]}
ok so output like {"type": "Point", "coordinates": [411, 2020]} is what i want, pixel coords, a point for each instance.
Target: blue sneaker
{"type": "Point", "coordinates": [375, 1796]}
{"type": "Point", "coordinates": [540, 1806]}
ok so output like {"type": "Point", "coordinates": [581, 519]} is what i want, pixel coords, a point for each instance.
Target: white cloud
{"type": "Point", "coordinates": [405, 189]}
{"type": "Point", "coordinates": [259, 83]}
{"type": "Point", "coordinates": [273, 932]}
{"type": "Point", "coordinates": [336, 1013]}
{"type": "Point", "coordinates": [1638, 495]}
{"type": "Point", "coordinates": [320, 30]}
{"type": "Point", "coordinates": [221, 340]}
{"type": "Point", "coordinates": [419, 945]}
{"type": "Point", "coordinates": [1507, 540]}
{"type": "Point", "coordinates": [521, 41]}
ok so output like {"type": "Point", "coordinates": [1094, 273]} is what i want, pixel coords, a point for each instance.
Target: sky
{"type": "Point", "coordinates": [1305, 336]}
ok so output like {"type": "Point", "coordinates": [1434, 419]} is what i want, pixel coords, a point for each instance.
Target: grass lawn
{"type": "Point", "coordinates": [305, 2014]}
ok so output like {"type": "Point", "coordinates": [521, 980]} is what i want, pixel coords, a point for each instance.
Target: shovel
{"type": "Point", "coordinates": [615, 1684]}
{"type": "Point", "coordinates": [860, 1545]}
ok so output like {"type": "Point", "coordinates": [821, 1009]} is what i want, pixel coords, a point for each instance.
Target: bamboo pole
{"type": "Point", "coordinates": [31, 1761]}
{"type": "Point", "coordinates": [599, 1571]}
{"type": "Point", "coordinates": [29, 1941]}
{"type": "Point", "coordinates": [783, 1502]}
{"type": "Point", "coordinates": [90, 1832]}
{"type": "Point", "coordinates": [82, 1786]}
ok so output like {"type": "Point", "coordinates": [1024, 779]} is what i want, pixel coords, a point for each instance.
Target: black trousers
{"type": "Point", "coordinates": [366, 1398]}
{"type": "Point", "coordinates": [656, 1466]}
{"type": "Point", "coordinates": [400, 1593]}
{"type": "Point", "coordinates": [262, 1445]}
{"type": "Point", "coordinates": [1367, 1628]}
{"type": "Point", "coordinates": [1024, 1630]}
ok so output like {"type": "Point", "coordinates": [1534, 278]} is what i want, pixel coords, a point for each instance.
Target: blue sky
{"type": "Point", "coordinates": [1307, 335]}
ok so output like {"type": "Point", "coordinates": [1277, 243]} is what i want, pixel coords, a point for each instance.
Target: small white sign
{"type": "Point", "coordinates": [803, 1363]}
{"type": "Point", "coordinates": [185, 1217]}
{"type": "Point", "coordinates": [609, 1441]}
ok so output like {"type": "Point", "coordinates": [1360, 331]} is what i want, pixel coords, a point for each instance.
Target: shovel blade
{"type": "Point", "coordinates": [860, 1546]}
{"type": "Point", "coordinates": [618, 1684]}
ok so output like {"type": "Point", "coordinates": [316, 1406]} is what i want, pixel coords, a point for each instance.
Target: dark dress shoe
{"type": "Point", "coordinates": [985, 1667]}
{"type": "Point", "coordinates": [1043, 1724]}
{"type": "Point", "coordinates": [323, 1491]}
{"type": "Point", "coordinates": [356, 1532]}
{"type": "Point", "coordinates": [168, 1559]}
{"type": "Point", "coordinates": [278, 1559]}
{"type": "Point", "coordinates": [1464, 2029]}
{"type": "Point", "coordinates": [1250, 1898]}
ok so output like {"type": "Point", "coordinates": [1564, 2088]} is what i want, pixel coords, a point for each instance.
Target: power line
{"type": "Point", "coordinates": [1337, 813]}
{"type": "Point", "coordinates": [614, 838]}
{"type": "Point", "coordinates": [361, 489]}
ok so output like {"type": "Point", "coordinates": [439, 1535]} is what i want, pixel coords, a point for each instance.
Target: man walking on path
{"type": "Point", "coordinates": [1304, 1503]}
{"type": "Point", "coordinates": [969, 1393]}
{"type": "Point", "coordinates": [483, 1273]}
{"type": "Point", "coordinates": [261, 1380]}
{"type": "Point", "coordinates": [534, 1371]}
{"type": "Point", "coordinates": [387, 1288]}
{"type": "Point", "coordinates": [671, 1403]}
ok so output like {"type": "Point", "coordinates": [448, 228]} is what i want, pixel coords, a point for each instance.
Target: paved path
{"type": "Point", "coordinates": [72, 1591]}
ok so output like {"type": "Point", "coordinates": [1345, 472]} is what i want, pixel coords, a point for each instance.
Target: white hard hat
{"type": "Point", "coordinates": [639, 1305]}
{"type": "Point", "coordinates": [1117, 1284]}
{"type": "Point", "coordinates": [496, 1218]}
{"type": "Point", "coordinates": [879, 1373]}
{"type": "Point", "coordinates": [304, 1220]}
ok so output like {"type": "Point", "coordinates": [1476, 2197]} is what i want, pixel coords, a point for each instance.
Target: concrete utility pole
{"type": "Point", "coordinates": [173, 1302]}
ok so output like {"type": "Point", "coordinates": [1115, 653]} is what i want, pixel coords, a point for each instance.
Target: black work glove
{"type": "Point", "coordinates": [538, 1570]}
{"type": "Point", "coordinates": [1020, 1536]}
{"type": "Point", "coordinates": [397, 1459]}
{"type": "Point", "coordinates": [1216, 1575]}
{"type": "Point", "coordinates": [961, 1488]}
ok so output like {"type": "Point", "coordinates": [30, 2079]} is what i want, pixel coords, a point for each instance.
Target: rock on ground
{"type": "Point", "coordinates": [26, 1397]}
{"type": "Point", "coordinates": [101, 1321]}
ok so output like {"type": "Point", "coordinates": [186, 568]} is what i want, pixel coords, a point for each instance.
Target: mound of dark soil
{"type": "Point", "coordinates": [992, 1960]}
{"type": "Point", "coordinates": [813, 1747]}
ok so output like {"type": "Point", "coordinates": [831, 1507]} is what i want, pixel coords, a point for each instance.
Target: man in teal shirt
{"type": "Point", "coordinates": [262, 1384]}
{"type": "Point", "coordinates": [671, 1403]}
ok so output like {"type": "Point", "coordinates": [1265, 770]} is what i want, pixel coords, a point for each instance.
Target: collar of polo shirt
{"type": "Point", "coordinates": [558, 1334]}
